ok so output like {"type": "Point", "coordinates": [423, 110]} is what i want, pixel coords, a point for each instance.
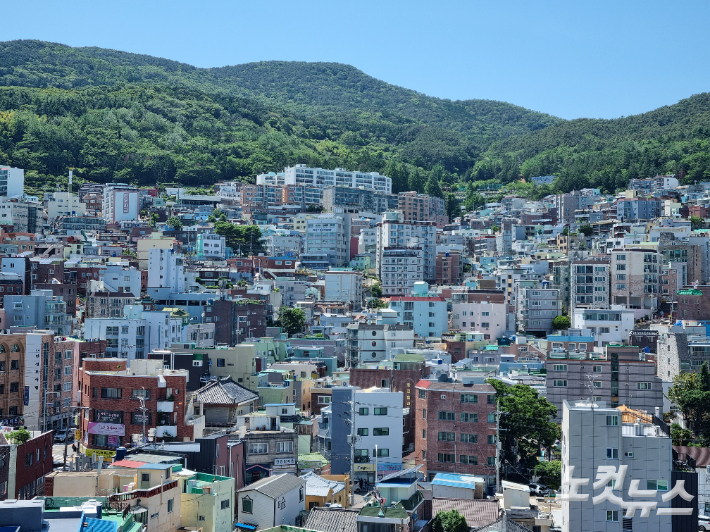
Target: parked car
{"type": "Point", "coordinates": [539, 490]}
{"type": "Point", "coordinates": [703, 522]}
{"type": "Point", "coordinates": [61, 434]}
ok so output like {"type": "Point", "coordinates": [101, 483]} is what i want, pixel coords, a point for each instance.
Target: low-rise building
{"type": "Point", "coordinates": [272, 501]}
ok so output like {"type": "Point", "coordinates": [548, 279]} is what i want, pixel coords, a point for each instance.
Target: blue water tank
{"type": "Point", "coordinates": [121, 453]}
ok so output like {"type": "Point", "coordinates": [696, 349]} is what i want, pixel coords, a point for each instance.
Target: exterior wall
{"type": "Point", "coordinates": [344, 286]}
{"type": "Point", "coordinates": [394, 232]}
{"type": "Point", "coordinates": [480, 311]}
{"type": "Point", "coordinates": [326, 234]}
{"type": "Point", "coordinates": [590, 284]}
{"type": "Point", "coordinates": [449, 268]}
{"type": "Point", "coordinates": [427, 316]}
{"type": "Point", "coordinates": [536, 308]}
{"type": "Point", "coordinates": [694, 304]}
{"type": "Point", "coordinates": [399, 268]}
{"type": "Point", "coordinates": [34, 461]}
{"type": "Point", "coordinates": [263, 511]}
{"type": "Point", "coordinates": [432, 398]}
{"type": "Point", "coordinates": [635, 278]}
{"type": "Point", "coordinates": [607, 326]}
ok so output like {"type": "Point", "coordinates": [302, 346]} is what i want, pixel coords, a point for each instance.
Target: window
{"type": "Point", "coordinates": [468, 459]}
{"type": "Point", "coordinates": [492, 417]}
{"type": "Point", "coordinates": [67, 370]}
{"type": "Point", "coordinates": [67, 386]}
{"type": "Point", "coordinates": [559, 367]}
{"type": "Point", "coordinates": [246, 505]}
{"type": "Point", "coordinates": [469, 418]}
{"type": "Point", "coordinates": [364, 411]}
{"type": "Point", "coordinates": [15, 364]}
{"type": "Point", "coordinates": [658, 485]}
{"type": "Point", "coordinates": [492, 461]}
{"type": "Point", "coordinates": [422, 394]}
{"type": "Point", "coordinates": [469, 398]}
{"type": "Point", "coordinates": [643, 385]}
{"type": "Point", "coordinates": [362, 432]}
{"type": "Point", "coordinates": [491, 439]}
{"type": "Point", "coordinates": [447, 436]}
{"type": "Point", "coordinates": [223, 504]}
{"type": "Point", "coordinates": [557, 383]}
{"type": "Point", "coordinates": [597, 384]}
{"type": "Point", "coordinates": [424, 413]}
{"type": "Point", "coordinates": [383, 452]}
{"type": "Point", "coordinates": [284, 447]}
{"type": "Point", "coordinates": [220, 362]}
{"type": "Point", "coordinates": [385, 431]}
{"type": "Point", "coordinates": [382, 411]}
{"type": "Point", "coordinates": [491, 400]}
{"type": "Point", "coordinates": [469, 438]}
{"type": "Point", "coordinates": [629, 454]}
{"type": "Point", "coordinates": [68, 354]}
{"type": "Point", "coordinates": [258, 448]}
{"type": "Point", "coordinates": [596, 369]}
{"type": "Point", "coordinates": [14, 387]}
{"type": "Point", "coordinates": [446, 458]}
{"type": "Point", "coordinates": [612, 515]}
{"type": "Point", "coordinates": [447, 416]}
{"type": "Point", "coordinates": [612, 453]}
{"type": "Point", "coordinates": [325, 400]}
{"type": "Point", "coordinates": [171, 502]}
{"type": "Point", "coordinates": [612, 421]}
{"type": "Point", "coordinates": [136, 393]}
{"type": "Point", "coordinates": [111, 393]}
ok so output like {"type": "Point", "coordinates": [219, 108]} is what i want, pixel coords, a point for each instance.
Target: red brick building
{"type": "Point", "coordinates": [111, 392]}
{"type": "Point", "coordinates": [455, 428]}
{"type": "Point", "coordinates": [236, 320]}
{"type": "Point", "coordinates": [34, 461]}
{"type": "Point", "coordinates": [694, 303]}
{"type": "Point", "coordinates": [449, 268]}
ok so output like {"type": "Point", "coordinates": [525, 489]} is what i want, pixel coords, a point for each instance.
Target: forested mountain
{"type": "Point", "coordinates": [128, 117]}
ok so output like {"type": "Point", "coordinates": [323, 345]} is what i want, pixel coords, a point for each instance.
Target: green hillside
{"type": "Point", "coordinates": [128, 117]}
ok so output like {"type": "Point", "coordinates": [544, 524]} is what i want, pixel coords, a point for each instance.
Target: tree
{"type": "Point", "coordinates": [692, 400]}
{"type": "Point", "coordinates": [696, 222]}
{"type": "Point", "coordinates": [526, 422]}
{"type": "Point", "coordinates": [376, 303]}
{"type": "Point", "coordinates": [433, 188]}
{"type": "Point", "coordinates": [561, 322]}
{"type": "Point", "coordinates": [19, 436]}
{"type": "Point", "coordinates": [681, 436]}
{"type": "Point", "coordinates": [292, 319]}
{"type": "Point", "coordinates": [565, 231]}
{"type": "Point", "coordinates": [495, 228]}
{"type": "Point", "coordinates": [243, 239]}
{"type": "Point", "coordinates": [154, 219]}
{"type": "Point", "coordinates": [550, 473]}
{"type": "Point", "coordinates": [242, 283]}
{"type": "Point", "coordinates": [376, 290]}
{"type": "Point", "coordinates": [453, 209]}
{"type": "Point", "coordinates": [175, 223]}
{"type": "Point", "coordinates": [415, 181]}
{"type": "Point", "coordinates": [217, 215]}
{"type": "Point", "coordinates": [586, 230]}
{"type": "Point", "coordinates": [450, 521]}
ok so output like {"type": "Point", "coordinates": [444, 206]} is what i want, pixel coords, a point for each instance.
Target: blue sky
{"type": "Point", "coordinates": [600, 59]}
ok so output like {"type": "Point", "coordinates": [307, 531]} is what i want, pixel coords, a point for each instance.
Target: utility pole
{"type": "Point", "coordinates": [498, 446]}
{"type": "Point", "coordinates": [143, 410]}
{"type": "Point", "coordinates": [352, 448]}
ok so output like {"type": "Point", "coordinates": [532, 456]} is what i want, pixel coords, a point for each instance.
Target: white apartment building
{"type": "Point", "coordinates": [393, 233]}
{"type": "Point", "coordinates": [326, 234]}
{"type": "Point", "coordinates": [636, 277]}
{"type": "Point", "coordinates": [319, 177]}
{"type": "Point", "coordinates": [211, 246]}
{"type": "Point", "coordinates": [536, 308]}
{"type": "Point", "coordinates": [593, 436]}
{"type": "Point", "coordinates": [22, 215]}
{"type": "Point", "coordinates": [166, 269]}
{"type": "Point", "coordinates": [379, 428]}
{"type": "Point", "coordinates": [399, 269]}
{"type": "Point", "coordinates": [12, 181]}
{"type": "Point", "coordinates": [118, 279]}
{"type": "Point", "coordinates": [374, 342]}
{"type": "Point", "coordinates": [120, 202]}
{"type": "Point", "coordinates": [589, 281]}
{"type": "Point", "coordinates": [344, 286]}
{"type": "Point", "coordinates": [607, 326]}
{"type": "Point", "coordinates": [483, 311]}
{"type": "Point", "coordinates": [63, 204]}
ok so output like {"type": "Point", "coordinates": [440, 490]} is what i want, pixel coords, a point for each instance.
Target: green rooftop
{"type": "Point", "coordinates": [390, 513]}
{"type": "Point", "coordinates": [409, 357]}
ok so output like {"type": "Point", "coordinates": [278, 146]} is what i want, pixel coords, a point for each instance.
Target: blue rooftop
{"type": "Point", "coordinates": [457, 481]}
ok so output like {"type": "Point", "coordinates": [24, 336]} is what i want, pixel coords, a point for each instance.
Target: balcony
{"type": "Point", "coordinates": [165, 406]}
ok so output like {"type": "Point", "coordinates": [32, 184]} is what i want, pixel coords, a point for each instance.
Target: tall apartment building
{"type": "Point", "coordinates": [536, 308]}
{"type": "Point", "coordinates": [399, 269]}
{"type": "Point", "coordinates": [12, 181]}
{"type": "Point", "coordinates": [326, 234]}
{"type": "Point", "coordinates": [40, 309]}
{"type": "Point", "coordinates": [427, 315]}
{"type": "Point", "coordinates": [594, 435]}
{"type": "Point", "coordinates": [455, 428]}
{"type": "Point", "coordinates": [344, 286]}
{"type": "Point", "coordinates": [63, 204]}
{"type": "Point", "coordinates": [394, 233]}
{"type": "Point", "coordinates": [301, 174]}
{"type": "Point", "coordinates": [630, 209]}
{"type": "Point", "coordinates": [620, 376]}
{"type": "Point", "coordinates": [377, 427]}
{"type": "Point", "coordinates": [686, 258]}
{"type": "Point", "coordinates": [590, 283]}
{"type": "Point", "coordinates": [120, 202]}
{"type": "Point", "coordinates": [449, 267]}
{"type": "Point", "coordinates": [678, 352]}
{"type": "Point", "coordinates": [422, 208]}
{"type": "Point", "coordinates": [649, 185]}
{"type": "Point", "coordinates": [358, 199]}
{"type": "Point", "coordinates": [483, 311]}
{"type": "Point", "coordinates": [166, 269]}
{"type": "Point", "coordinates": [22, 215]}
{"type": "Point", "coordinates": [635, 278]}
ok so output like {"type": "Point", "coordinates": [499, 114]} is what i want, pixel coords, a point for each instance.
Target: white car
{"type": "Point", "coordinates": [703, 522]}
{"type": "Point", "coordinates": [61, 434]}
